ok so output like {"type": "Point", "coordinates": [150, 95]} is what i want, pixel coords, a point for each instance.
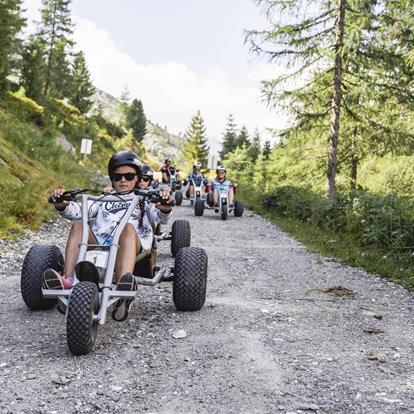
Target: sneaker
{"type": "Point", "coordinates": [53, 280]}
{"type": "Point", "coordinates": [216, 207]}
{"type": "Point", "coordinates": [121, 308]}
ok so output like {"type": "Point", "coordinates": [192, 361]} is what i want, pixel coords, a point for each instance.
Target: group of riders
{"type": "Point", "coordinates": [126, 173]}
{"type": "Point", "coordinates": [197, 179]}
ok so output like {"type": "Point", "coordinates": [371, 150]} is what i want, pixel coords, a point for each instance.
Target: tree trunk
{"type": "Point", "coordinates": [336, 101]}
{"type": "Point", "coordinates": [50, 54]}
{"type": "Point", "coordinates": [354, 159]}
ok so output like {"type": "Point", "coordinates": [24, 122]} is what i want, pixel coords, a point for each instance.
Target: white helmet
{"type": "Point", "coordinates": [221, 168]}
{"type": "Point", "coordinates": [197, 165]}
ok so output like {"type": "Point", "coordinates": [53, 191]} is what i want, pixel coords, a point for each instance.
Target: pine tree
{"type": "Point", "coordinates": [267, 149]}
{"type": "Point", "coordinates": [55, 31]}
{"type": "Point", "coordinates": [255, 149]}
{"type": "Point", "coordinates": [243, 137]}
{"type": "Point", "coordinates": [307, 44]}
{"type": "Point", "coordinates": [81, 87]}
{"type": "Point", "coordinates": [136, 120]}
{"type": "Point", "coordinates": [229, 138]}
{"type": "Point", "coordinates": [32, 70]}
{"type": "Point", "coordinates": [11, 22]}
{"type": "Point", "coordinates": [195, 147]}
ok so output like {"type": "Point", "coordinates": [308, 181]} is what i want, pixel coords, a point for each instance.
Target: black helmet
{"type": "Point", "coordinates": [124, 158]}
{"type": "Point", "coordinates": [146, 171]}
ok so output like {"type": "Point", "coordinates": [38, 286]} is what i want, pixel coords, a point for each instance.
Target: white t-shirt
{"type": "Point", "coordinates": [104, 216]}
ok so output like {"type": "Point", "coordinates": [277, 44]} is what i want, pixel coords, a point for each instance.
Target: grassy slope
{"type": "Point", "coordinates": [396, 267]}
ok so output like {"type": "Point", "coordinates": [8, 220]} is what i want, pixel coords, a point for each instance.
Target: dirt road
{"type": "Point", "coordinates": [273, 337]}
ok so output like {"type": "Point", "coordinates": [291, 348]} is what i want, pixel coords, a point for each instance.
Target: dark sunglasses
{"type": "Point", "coordinates": [129, 176]}
{"type": "Point", "coordinates": [146, 179]}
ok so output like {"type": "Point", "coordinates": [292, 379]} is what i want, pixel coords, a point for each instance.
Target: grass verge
{"type": "Point", "coordinates": [397, 265]}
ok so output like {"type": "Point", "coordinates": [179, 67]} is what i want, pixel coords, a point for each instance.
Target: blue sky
{"type": "Point", "coordinates": [177, 57]}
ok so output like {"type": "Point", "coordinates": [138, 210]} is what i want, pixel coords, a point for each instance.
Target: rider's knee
{"type": "Point", "coordinates": [129, 231]}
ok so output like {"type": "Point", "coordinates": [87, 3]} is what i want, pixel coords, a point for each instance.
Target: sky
{"type": "Point", "coordinates": [177, 57]}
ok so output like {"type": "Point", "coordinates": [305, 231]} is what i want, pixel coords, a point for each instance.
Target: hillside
{"type": "Point", "coordinates": [40, 150]}
{"type": "Point", "coordinates": [158, 142]}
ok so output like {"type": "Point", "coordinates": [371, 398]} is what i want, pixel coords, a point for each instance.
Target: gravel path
{"type": "Point", "coordinates": [271, 338]}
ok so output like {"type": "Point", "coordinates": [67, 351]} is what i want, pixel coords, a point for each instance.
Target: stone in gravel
{"type": "Point", "coordinates": [372, 330]}
{"type": "Point", "coordinates": [180, 334]}
{"type": "Point", "coordinates": [61, 381]}
{"type": "Point", "coordinates": [336, 290]}
{"type": "Point", "coordinates": [308, 407]}
{"type": "Point", "coordinates": [116, 388]}
{"type": "Point", "coordinates": [372, 356]}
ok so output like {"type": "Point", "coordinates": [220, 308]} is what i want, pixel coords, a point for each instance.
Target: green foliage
{"type": "Point", "coordinates": [240, 167]}
{"type": "Point", "coordinates": [55, 32]}
{"type": "Point", "coordinates": [229, 138]}
{"type": "Point", "coordinates": [196, 148]}
{"type": "Point", "coordinates": [110, 127]}
{"type": "Point", "coordinates": [11, 22]}
{"type": "Point", "coordinates": [383, 222]}
{"type": "Point", "coordinates": [255, 148]}
{"type": "Point", "coordinates": [81, 88]}
{"type": "Point", "coordinates": [243, 138]}
{"type": "Point", "coordinates": [136, 120]}
{"type": "Point", "coordinates": [24, 108]}
{"type": "Point", "coordinates": [32, 68]}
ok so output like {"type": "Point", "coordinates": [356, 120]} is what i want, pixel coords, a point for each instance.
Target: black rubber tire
{"type": "Point", "coordinates": [180, 236]}
{"type": "Point", "coordinates": [178, 198]}
{"type": "Point", "coordinates": [210, 198]}
{"type": "Point", "coordinates": [238, 209]}
{"type": "Point", "coordinates": [81, 330]}
{"type": "Point", "coordinates": [190, 279]}
{"type": "Point", "coordinates": [224, 212]}
{"type": "Point", "coordinates": [37, 260]}
{"type": "Point", "coordinates": [199, 207]}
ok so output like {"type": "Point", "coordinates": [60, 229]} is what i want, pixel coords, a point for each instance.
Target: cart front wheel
{"type": "Point", "coordinates": [81, 329]}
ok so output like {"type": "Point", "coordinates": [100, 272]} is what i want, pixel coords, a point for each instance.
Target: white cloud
{"type": "Point", "coordinates": [171, 93]}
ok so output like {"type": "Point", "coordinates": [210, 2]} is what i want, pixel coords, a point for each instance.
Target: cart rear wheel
{"type": "Point", "coordinates": [37, 260]}
{"type": "Point", "coordinates": [180, 236]}
{"type": "Point", "coordinates": [81, 329]}
{"type": "Point", "coordinates": [178, 198]}
{"type": "Point", "coordinates": [199, 207]}
{"type": "Point", "coordinates": [190, 279]}
{"type": "Point", "coordinates": [238, 209]}
{"type": "Point", "coordinates": [224, 212]}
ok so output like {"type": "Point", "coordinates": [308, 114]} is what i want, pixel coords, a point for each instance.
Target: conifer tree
{"type": "Point", "coordinates": [307, 44]}
{"type": "Point", "coordinates": [267, 149]}
{"type": "Point", "coordinates": [243, 138]}
{"type": "Point", "coordinates": [136, 120]}
{"type": "Point", "coordinates": [55, 32]}
{"type": "Point", "coordinates": [32, 70]}
{"type": "Point", "coordinates": [11, 22]}
{"type": "Point", "coordinates": [196, 148]}
{"type": "Point", "coordinates": [81, 87]}
{"type": "Point", "coordinates": [229, 138]}
{"type": "Point", "coordinates": [255, 149]}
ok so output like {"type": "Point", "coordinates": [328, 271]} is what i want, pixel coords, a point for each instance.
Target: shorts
{"type": "Point", "coordinates": [145, 237]}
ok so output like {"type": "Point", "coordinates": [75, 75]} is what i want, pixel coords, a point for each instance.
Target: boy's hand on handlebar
{"type": "Point", "coordinates": [56, 195]}
{"type": "Point", "coordinates": [166, 200]}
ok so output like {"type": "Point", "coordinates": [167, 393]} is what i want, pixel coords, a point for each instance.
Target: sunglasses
{"type": "Point", "coordinates": [129, 176]}
{"type": "Point", "coordinates": [146, 179]}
